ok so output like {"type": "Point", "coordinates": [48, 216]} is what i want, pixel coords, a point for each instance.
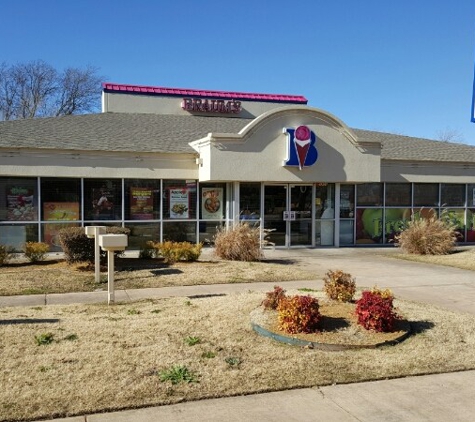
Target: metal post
{"type": "Point", "coordinates": [97, 256]}
{"type": "Point", "coordinates": [110, 277]}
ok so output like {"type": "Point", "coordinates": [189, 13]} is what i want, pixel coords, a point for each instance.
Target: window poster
{"type": "Point", "coordinates": [103, 204]}
{"type": "Point", "coordinates": [68, 211]}
{"type": "Point", "coordinates": [20, 204]}
{"type": "Point", "coordinates": [51, 232]}
{"type": "Point", "coordinates": [141, 203]}
{"type": "Point", "coordinates": [212, 203]}
{"type": "Point", "coordinates": [179, 203]}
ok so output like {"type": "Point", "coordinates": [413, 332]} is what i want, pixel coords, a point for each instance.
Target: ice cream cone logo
{"type": "Point", "coordinates": [301, 147]}
{"type": "Point", "coordinates": [302, 143]}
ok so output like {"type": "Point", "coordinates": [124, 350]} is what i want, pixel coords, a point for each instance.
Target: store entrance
{"type": "Point", "coordinates": [288, 212]}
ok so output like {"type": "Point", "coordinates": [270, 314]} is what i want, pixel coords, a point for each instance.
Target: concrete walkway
{"type": "Point", "coordinates": [443, 397]}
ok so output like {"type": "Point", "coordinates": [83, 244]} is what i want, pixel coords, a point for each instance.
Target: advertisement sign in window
{"type": "Point", "coordinates": [103, 204]}
{"type": "Point", "coordinates": [141, 203]}
{"type": "Point", "coordinates": [20, 204]}
{"type": "Point", "coordinates": [51, 232]}
{"type": "Point", "coordinates": [61, 211]}
{"type": "Point", "coordinates": [212, 203]}
{"type": "Point", "coordinates": [179, 203]}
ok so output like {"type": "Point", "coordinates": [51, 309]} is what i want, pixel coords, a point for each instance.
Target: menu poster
{"type": "Point", "coordinates": [179, 203]}
{"type": "Point", "coordinates": [61, 211]}
{"type": "Point", "coordinates": [20, 204]}
{"type": "Point", "coordinates": [103, 204]}
{"type": "Point", "coordinates": [212, 203]}
{"type": "Point", "coordinates": [141, 203]}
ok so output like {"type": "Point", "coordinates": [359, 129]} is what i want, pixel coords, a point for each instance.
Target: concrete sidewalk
{"type": "Point", "coordinates": [442, 397]}
{"type": "Point", "coordinates": [437, 398]}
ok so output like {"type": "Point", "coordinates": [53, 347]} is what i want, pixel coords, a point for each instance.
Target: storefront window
{"type": "Point", "coordinates": [398, 194]}
{"type": "Point", "coordinates": [249, 201]}
{"type": "Point", "coordinates": [324, 210]}
{"type": "Point", "coordinates": [471, 225]}
{"type": "Point", "coordinates": [325, 201]}
{"type": "Point", "coordinates": [103, 199]}
{"type": "Point", "coordinates": [347, 232]}
{"type": "Point", "coordinates": [179, 231]}
{"type": "Point", "coordinates": [347, 201]}
{"type": "Point", "coordinates": [456, 218]}
{"type": "Point", "coordinates": [142, 199]}
{"type": "Point", "coordinates": [141, 233]}
{"type": "Point", "coordinates": [207, 231]}
{"type": "Point", "coordinates": [426, 194]}
{"type": "Point", "coordinates": [471, 195]}
{"type": "Point", "coordinates": [51, 232]}
{"type": "Point", "coordinates": [60, 199]}
{"type": "Point", "coordinates": [395, 221]}
{"type": "Point", "coordinates": [324, 230]}
{"type": "Point", "coordinates": [417, 214]}
{"type": "Point", "coordinates": [15, 235]}
{"type": "Point", "coordinates": [213, 201]}
{"type": "Point", "coordinates": [179, 199]}
{"type": "Point", "coordinates": [18, 199]}
{"type": "Point", "coordinates": [369, 225]}
{"type": "Point", "coordinates": [452, 195]}
{"type": "Point", "coordinates": [369, 194]}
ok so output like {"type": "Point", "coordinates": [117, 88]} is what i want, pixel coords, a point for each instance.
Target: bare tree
{"type": "Point", "coordinates": [36, 89]}
{"type": "Point", "coordinates": [450, 135]}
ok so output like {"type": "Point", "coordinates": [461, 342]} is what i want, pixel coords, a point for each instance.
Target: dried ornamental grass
{"type": "Point", "coordinates": [428, 236]}
{"type": "Point", "coordinates": [239, 243]}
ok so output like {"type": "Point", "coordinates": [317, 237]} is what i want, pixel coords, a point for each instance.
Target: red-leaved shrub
{"type": "Point", "coordinates": [273, 298]}
{"type": "Point", "coordinates": [298, 314]}
{"type": "Point", "coordinates": [375, 310]}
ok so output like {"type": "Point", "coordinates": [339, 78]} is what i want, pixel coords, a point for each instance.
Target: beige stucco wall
{"type": "Point", "coordinates": [427, 172]}
{"type": "Point", "coordinates": [259, 151]}
{"type": "Point", "coordinates": [59, 163]}
{"type": "Point", "coordinates": [130, 103]}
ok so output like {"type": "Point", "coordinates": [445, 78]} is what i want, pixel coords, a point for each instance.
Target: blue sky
{"type": "Point", "coordinates": [403, 66]}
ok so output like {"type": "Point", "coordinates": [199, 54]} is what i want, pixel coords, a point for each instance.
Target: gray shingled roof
{"type": "Point", "coordinates": [130, 132]}
{"type": "Point", "coordinates": [399, 147]}
{"type": "Point", "coordinates": [115, 132]}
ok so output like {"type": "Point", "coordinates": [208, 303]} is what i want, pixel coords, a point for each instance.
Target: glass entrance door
{"type": "Point", "coordinates": [301, 205]}
{"type": "Point", "coordinates": [288, 213]}
{"type": "Point", "coordinates": [275, 203]}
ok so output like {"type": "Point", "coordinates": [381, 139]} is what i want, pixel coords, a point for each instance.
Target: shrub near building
{"type": "Point", "coordinates": [173, 252]}
{"type": "Point", "coordinates": [375, 310]}
{"type": "Point", "coordinates": [5, 254]}
{"type": "Point", "coordinates": [36, 251]}
{"type": "Point", "coordinates": [339, 286]}
{"type": "Point", "coordinates": [77, 247]}
{"type": "Point", "coordinates": [428, 236]}
{"type": "Point", "coordinates": [239, 243]}
{"type": "Point", "coordinates": [298, 314]}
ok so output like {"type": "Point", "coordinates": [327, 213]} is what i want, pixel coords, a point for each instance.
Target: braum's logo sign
{"type": "Point", "coordinates": [301, 149]}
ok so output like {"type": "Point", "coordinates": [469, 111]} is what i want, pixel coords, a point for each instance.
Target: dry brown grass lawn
{"type": "Point", "coordinates": [55, 276]}
{"type": "Point", "coordinates": [105, 358]}
{"type": "Point", "coordinates": [460, 258]}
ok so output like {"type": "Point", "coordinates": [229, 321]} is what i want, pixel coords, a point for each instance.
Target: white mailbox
{"type": "Point", "coordinates": [92, 231]}
{"type": "Point", "coordinates": [113, 242]}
